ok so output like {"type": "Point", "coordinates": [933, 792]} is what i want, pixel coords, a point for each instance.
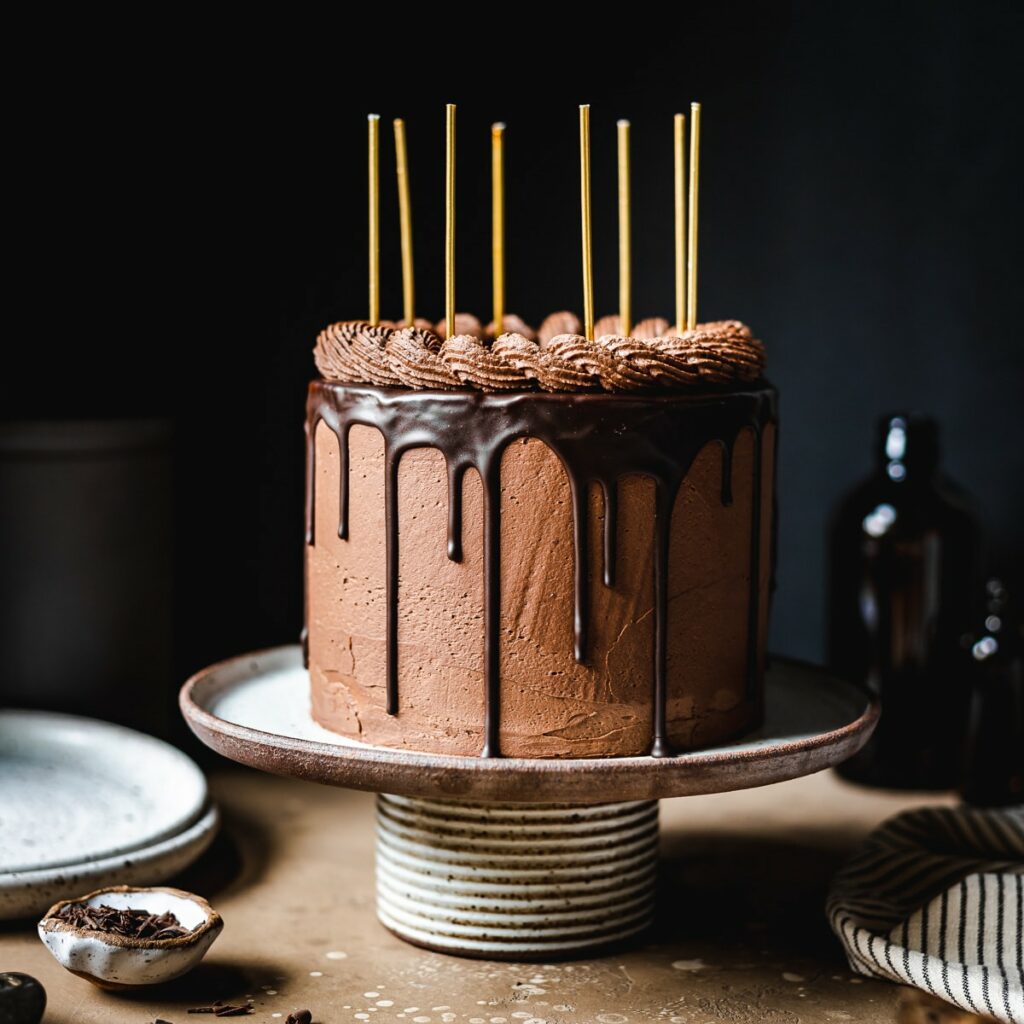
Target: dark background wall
{"type": "Point", "coordinates": [194, 213]}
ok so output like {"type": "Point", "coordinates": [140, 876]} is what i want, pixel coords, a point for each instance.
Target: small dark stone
{"type": "Point", "coordinates": [22, 999]}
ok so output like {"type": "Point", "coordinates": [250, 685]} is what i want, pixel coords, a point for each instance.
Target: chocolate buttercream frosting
{"type": "Point", "coordinates": [598, 439]}
{"type": "Point", "coordinates": [558, 358]}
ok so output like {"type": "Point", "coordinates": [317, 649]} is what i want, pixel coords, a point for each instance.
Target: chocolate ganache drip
{"type": "Point", "coordinates": [597, 437]}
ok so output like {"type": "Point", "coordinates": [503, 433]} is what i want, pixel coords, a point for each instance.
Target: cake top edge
{"type": "Point", "coordinates": [556, 357]}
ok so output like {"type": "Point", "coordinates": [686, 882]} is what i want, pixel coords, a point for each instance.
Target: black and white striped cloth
{"type": "Point", "coordinates": [935, 898]}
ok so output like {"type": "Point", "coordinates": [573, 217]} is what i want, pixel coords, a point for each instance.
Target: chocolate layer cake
{"type": "Point", "coordinates": [539, 546]}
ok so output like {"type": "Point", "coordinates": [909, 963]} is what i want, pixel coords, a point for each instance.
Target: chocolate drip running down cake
{"type": "Point", "coordinates": [535, 545]}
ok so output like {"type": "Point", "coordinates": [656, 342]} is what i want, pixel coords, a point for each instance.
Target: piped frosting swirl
{"type": "Point", "coordinates": [557, 358]}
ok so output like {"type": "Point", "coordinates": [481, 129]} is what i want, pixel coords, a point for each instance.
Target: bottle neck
{"type": "Point", "coordinates": [907, 450]}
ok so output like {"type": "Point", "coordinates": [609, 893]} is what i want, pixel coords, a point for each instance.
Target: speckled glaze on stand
{"type": "Point", "coordinates": [515, 881]}
{"type": "Point", "coordinates": [254, 709]}
{"type": "Point", "coordinates": [470, 819]}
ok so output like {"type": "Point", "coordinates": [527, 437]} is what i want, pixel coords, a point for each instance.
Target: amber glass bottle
{"type": "Point", "coordinates": [903, 563]}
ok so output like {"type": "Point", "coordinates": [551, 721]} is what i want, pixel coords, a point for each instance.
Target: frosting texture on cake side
{"type": "Point", "coordinates": [537, 574]}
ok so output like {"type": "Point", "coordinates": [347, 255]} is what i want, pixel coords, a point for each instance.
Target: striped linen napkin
{"type": "Point", "coordinates": [935, 898]}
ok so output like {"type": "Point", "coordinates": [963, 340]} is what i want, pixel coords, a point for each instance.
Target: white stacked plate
{"type": "Point", "coordinates": [85, 804]}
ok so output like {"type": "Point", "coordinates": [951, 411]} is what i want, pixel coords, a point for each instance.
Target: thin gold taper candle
{"type": "Point", "coordinates": [679, 164]}
{"type": "Point", "coordinates": [625, 258]}
{"type": "Point", "coordinates": [405, 222]}
{"type": "Point", "coordinates": [373, 147]}
{"type": "Point", "coordinates": [449, 221]}
{"type": "Point", "coordinates": [498, 224]}
{"type": "Point", "coordinates": [691, 243]}
{"type": "Point", "coordinates": [588, 268]}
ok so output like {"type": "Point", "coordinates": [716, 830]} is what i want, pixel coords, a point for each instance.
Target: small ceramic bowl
{"type": "Point", "coordinates": [117, 961]}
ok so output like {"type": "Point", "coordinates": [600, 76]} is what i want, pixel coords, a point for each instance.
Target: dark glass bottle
{"type": "Point", "coordinates": [903, 565]}
{"type": "Point", "coordinates": [994, 768]}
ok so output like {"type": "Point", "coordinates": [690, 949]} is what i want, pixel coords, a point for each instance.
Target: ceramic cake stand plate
{"type": "Point", "coordinates": [255, 709]}
{"type": "Point", "coordinates": [509, 857]}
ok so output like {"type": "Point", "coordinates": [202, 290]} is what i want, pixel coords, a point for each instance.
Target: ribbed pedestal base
{"type": "Point", "coordinates": [515, 881]}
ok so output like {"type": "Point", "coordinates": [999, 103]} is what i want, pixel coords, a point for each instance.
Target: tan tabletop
{"type": "Point", "coordinates": [741, 935]}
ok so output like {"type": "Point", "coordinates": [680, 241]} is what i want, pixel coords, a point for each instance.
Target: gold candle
{"type": "Point", "coordinates": [405, 222]}
{"type": "Point", "coordinates": [588, 269]}
{"type": "Point", "coordinates": [679, 165]}
{"type": "Point", "coordinates": [498, 225]}
{"type": "Point", "coordinates": [373, 146]}
{"type": "Point", "coordinates": [449, 221]}
{"type": "Point", "coordinates": [691, 246]}
{"type": "Point", "coordinates": [625, 260]}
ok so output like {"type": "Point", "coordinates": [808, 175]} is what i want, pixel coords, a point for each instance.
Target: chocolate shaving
{"type": "Point", "coordinates": [300, 1017]}
{"type": "Point", "coordinates": [129, 923]}
{"type": "Point", "coordinates": [220, 1009]}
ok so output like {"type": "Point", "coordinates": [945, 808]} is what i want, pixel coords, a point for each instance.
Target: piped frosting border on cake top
{"type": "Point", "coordinates": [557, 358]}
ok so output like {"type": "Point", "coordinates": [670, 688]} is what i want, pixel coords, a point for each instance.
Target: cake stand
{"type": "Point", "coordinates": [512, 858]}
